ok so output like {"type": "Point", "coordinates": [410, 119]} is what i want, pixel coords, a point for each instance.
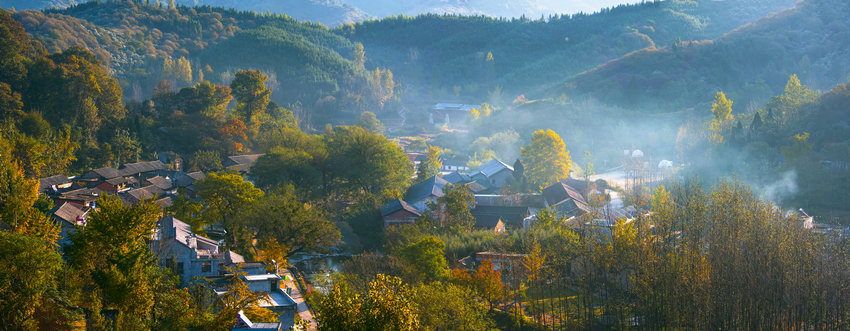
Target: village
{"type": "Point", "coordinates": [195, 258]}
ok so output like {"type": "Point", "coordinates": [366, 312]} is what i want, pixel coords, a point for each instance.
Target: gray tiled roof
{"type": "Point", "coordinates": [431, 186]}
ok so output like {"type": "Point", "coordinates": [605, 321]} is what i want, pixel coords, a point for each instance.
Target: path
{"type": "Point", "coordinates": [302, 309]}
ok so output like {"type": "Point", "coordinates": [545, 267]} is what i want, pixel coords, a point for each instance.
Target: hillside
{"type": "Point", "coordinates": [329, 12]}
{"type": "Point", "coordinates": [38, 4]}
{"type": "Point", "coordinates": [751, 63]}
{"type": "Point", "coordinates": [450, 52]}
{"type": "Point", "coordinates": [144, 44]}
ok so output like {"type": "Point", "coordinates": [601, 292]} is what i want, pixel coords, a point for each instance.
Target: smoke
{"type": "Point", "coordinates": [783, 188]}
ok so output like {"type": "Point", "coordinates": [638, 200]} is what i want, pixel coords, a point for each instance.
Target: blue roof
{"type": "Point", "coordinates": [431, 186]}
{"type": "Point", "coordinates": [493, 167]}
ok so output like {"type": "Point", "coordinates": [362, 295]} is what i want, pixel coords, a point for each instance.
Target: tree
{"type": "Point", "coordinates": [286, 166]}
{"type": "Point", "coordinates": [388, 304]}
{"type": "Point", "coordinates": [28, 270]}
{"type": "Point", "coordinates": [431, 165]}
{"type": "Point", "coordinates": [359, 56]}
{"type": "Point", "coordinates": [453, 209]}
{"type": "Point", "coordinates": [110, 260]}
{"type": "Point", "coordinates": [366, 165]}
{"type": "Point", "coordinates": [518, 182]}
{"type": "Point", "coordinates": [249, 88]}
{"type": "Point", "coordinates": [487, 282]}
{"type": "Point", "coordinates": [18, 195]}
{"type": "Point", "coordinates": [370, 122]}
{"type": "Point", "coordinates": [546, 159]}
{"type": "Point", "coordinates": [722, 111]}
{"type": "Point", "coordinates": [206, 161]}
{"type": "Point", "coordinates": [225, 196]}
{"type": "Point", "coordinates": [445, 306]}
{"type": "Point", "coordinates": [426, 256]}
{"type": "Point", "coordinates": [239, 297]}
{"type": "Point", "coordinates": [280, 219]}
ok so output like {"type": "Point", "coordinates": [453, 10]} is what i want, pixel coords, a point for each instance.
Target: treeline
{"type": "Point", "coordinates": [143, 43]}
{"type": "Point", "coordinates": [750, 63]}
{"type": "Point", "coordinates": [794, 150]}
{"type": "Point", "coordinates": [703, 258]}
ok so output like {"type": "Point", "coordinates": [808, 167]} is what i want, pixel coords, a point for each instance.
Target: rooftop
{"type": "Point", "coordinates": [396, 205]}
{"type": "Point", "coordinates": [493, 167]}
{"type": "Point", "coordinates": [45, 184]}
{"type": "Point", "coordinates": [68, 212]}
{"type": "Point", "coordinates": [560, 191]}
{"type": "Point", "coordinates": [141, 167]}
{"type": "Point", "coordinates": [431, 186]}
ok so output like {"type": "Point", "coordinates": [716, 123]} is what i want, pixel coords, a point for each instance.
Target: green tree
{"type": "Point", "coordinates": [110, 261]}
{"type": "Point", "coordinates": [366, 165]}
{"type": "Point", "coordinates": [28, 270]}
{"type": "Point", "coordinates": [431, 165]}
{"type": "Point", "coordinates": [453, 209]}
{"type": "Point", "coordinates": [281, 218]}
{"type": "Point", "coordinates": [445, 306]}
{"type": "Point", "coordinates": [249, 88]}
{"type": "Point", "coordinates": [546, 159]}
{"type": "Point", "coordinates": [206, 161]}
{"type": "Point", "coordinates": [388, 304]}
{"type": "Point", "coordinates": [426, 256]}
{"type": "Point", "coordinates": [226, 196]}
{"type": "Point", "coordinates": [359, 56]}
{"type": "Point", "coordinates": [370, 122]}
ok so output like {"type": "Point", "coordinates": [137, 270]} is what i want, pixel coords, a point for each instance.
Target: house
{"type": "Point", "coordinates": [242, 163]}
{"type": "Point", "coordinates": [276, 300]}
{"type": "Point", "coordinates": [496, 172]}
{"type": "Point", "coordinates": [565, 199]}
{"type": "Point", "coordinates": [511, 217]}
{"type": "Point", "coordinates": [188, 254]}
{"type": "Point", "coordinates": [134, 196]}
{"type": "Point", "coordinates": [457, 178]}
{"type": "Point", "coordinates": [489, 222]}
{"type": "Point", "coordinates": [450, 113]}
{"type": "Point", "coordinates": [68, 216]}
{"type": "Point", "coordinates": [187, 181]}
{"type": "Point", "coordinates": [144, 170]}
{"type": "Point", "coordinates": [117, 184]}
{"type": "Point", "coordinates": [245, 324]}
{"type": "Point", "coordinates": [53, 184]}
{"type": "Point", "coordinates": [162, 183]}
{"type": "Point", "coordinates": [83, 197]}
{"type": "Point", "coordinates": [398, 212]}
{"type": "Point", "coordinates": [96, 176]}
{"type": "Point", "coordinates": [429, 190]}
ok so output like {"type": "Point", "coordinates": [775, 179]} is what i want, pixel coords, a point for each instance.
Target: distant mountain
{"type": "Point", "coordinates": [38, 4]}
{"type": "Point", "coordinates": [494, 8]}
{"type": "Point", "coordinates": [328, 12]}
{"type": "Point", "coordinates": [751, 63]}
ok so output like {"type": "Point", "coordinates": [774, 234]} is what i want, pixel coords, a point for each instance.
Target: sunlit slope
{"type": "Point", "coordinates": [750, 64]}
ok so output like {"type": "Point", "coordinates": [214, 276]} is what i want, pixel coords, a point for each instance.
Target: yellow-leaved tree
{"type": "Point", "coordinates": [723, 118]}
{"type": "Point", "coordinates": [547, 159]}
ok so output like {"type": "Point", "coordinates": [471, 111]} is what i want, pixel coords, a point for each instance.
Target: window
{"type": "Point", "coordinates": [206, 267]}
{"type": "Point", "coordinates": [179, 268]}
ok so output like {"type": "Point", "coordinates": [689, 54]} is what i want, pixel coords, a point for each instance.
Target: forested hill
{"type": "Point", "coordinates": [752, 63]}
{"type": "Point", "coordinates": [318, 73]}
{"type": "Point", "coordinates": [328, 12]}
{"type": "Point", "coordinates": [453, 53]}
{"type": "Point", "coordinates": [143, 44]}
